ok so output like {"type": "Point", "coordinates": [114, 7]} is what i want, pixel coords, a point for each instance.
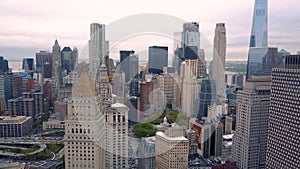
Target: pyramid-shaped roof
{"type": "Point", "coordinates": [84, 87]}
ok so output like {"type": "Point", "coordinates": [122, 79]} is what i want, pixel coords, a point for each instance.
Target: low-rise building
{"type": "Point", "coordinates": [15, 126]}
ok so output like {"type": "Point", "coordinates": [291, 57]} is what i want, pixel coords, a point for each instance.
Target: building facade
{"type": "Point", "coordinates": [219, 57]}
{"type": "Point", "coordinates": [15, 126]}
{"type": "Point", "coordinates": [158, 59]}
{"type": "Point", "coordinates": [250, 138]}
{"type": "Point", "coordinates": [284, 114]}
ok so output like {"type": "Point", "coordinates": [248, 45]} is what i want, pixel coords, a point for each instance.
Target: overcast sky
{"type": "Point", "coordinates": [30, 26]}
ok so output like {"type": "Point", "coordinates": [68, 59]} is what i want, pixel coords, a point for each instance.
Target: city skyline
{"type": "Point", "coordinates": [35, 34]}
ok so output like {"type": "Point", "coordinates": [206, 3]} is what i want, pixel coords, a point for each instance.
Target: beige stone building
{"type": "Point", "coordinates": [171, 149]}
{"type": "Point", "coordinates": [85, 127]}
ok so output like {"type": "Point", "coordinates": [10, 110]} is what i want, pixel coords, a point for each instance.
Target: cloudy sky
{"type": "Point", "coordinates": [30, 26]}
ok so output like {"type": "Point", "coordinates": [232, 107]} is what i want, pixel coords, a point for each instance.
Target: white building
{"type": "Point", "coordinates": [97, 48]}
{"type": "Point", "coordinates": [219, 57]}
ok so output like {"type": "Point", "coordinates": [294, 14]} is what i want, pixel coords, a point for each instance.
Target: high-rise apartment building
{"type": "Point", "coordinates": [158, 59]}
{"type": "Point", "coordinates": [85, 127]}
{"type": "Point", "coordinates": [219, 57]}
{"type": "Point", "coordinates": [96, 48]}
{"type": "Point", "coordinates": [283, 146]}
{"type": "Point", "coordinates": [250, 137]}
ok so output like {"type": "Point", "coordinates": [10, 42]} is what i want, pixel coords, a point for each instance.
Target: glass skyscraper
{"type": "Point", "coordinates": [260, 56]}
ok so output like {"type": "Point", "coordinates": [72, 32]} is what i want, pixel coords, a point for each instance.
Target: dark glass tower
{"type": "Point", "coordinates": [206, 98]}
{"type": "Point", "coordinates": [259, 52]}
{"type": "Point", "coordinates": [158, 59]}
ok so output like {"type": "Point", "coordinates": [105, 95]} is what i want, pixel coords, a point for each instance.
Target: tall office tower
{"type": "Point", "coordinates": [103, 85]}
{"type": "Point", "coordinates": [96, 48]}
{"type": "Point", "coordinates": [284, 116]}
{"type": "Point", "coordinates": [69, 59]}
{"type": "Point", "coordinates": [134, 75]}
{"type": "Point", "coordinates": [85, 127]}
{"type": "Point", "coordinates": [125, 63]}
{"type": "Point", "coordinates": [219, 57]}
{"type": "Point", "coordinates": [3, 65]}
{"type": "Point", "coordinates": [41, 58]}
{"type": "Point", "coordinates": [177, 56]}
{"type": "Point", "coordinates": [261, 61]}
{"type": "Point", "coordinates": [158, 59]}
{"type": "Point", "coordinates": [47, 72]}
{"type": "Point", "coordinates": [28, 65]}
{"type": "Point", "coordinates": [206, 97]}
{"type": "Point", "coordinates": [190, 85]}
{"type": "Point", "coordinates": [259, 40]}
{"type": "Point", "coordinates": [201, 72]}
{"type": "Point", "coordinates": [259, 32]}
{"type": "Point", "coordinates": [171, 149]}
{"type": "Point", "coordinates": [250, 138]}
{"type": "Point", "coordinates": [190, 38]}
{"type": "Point", "coordinates": [17, 85]}
{"type": "Point", "coordinates": [56, 59]}
{"type": "Point", "coordinates": [118, 86]}
{"type": "Point", "coordinates": [116, 143]}
{"type": "Point", "coordinates": [166, 84]}
{"type": "Point", "coordinates": [146, 153]}
{"type": "Point", "coordinates": [2, 87]}
{"type": "Point", "coordinates": [8, 86]}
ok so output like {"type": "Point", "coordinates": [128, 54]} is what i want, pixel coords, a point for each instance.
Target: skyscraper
{"type": "Point", "coordinates": [283, 146]}
{"type": "Point", "coordinates": [219, 57]}
{"type": "Point", "coordinates": [158, 59]}
{"type": "Point", "coordinates": [189, 46]}
{"type": "Point", "coordinates": [190, 85]}
{"type": "Point", "coordinates": [41, 58]}
{"type": "Point", "coordinates": [259, 40]}
{"type": "Point", "coordinates": [250, 138]}
{"type": "Point", "coordinates": [116, 122]}
{"type": "Point", "coordinates": [28, 65]}
{"type": "Point", "coordinates": [259, 32]}
{"type": "Point", "coordinates": [56, 59]}
{"type": "Point", "coordinates": [190, 37]}
{"type": "Point", "coordinates": [85, 127]}
{"type": "Point", "coordinates": [97, 48]}
{"type": "Point", "coordinates": [201, 72]}
{"type": "Point", "coordinates": [134, 75]}
{"type": "Point", "coordinates": [125, 63]}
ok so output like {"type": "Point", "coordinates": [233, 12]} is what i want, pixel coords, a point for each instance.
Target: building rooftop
{"type": "Point", "coordinates": [13, 119]}
{"type": "Point", "coordinates": [181, 138]}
